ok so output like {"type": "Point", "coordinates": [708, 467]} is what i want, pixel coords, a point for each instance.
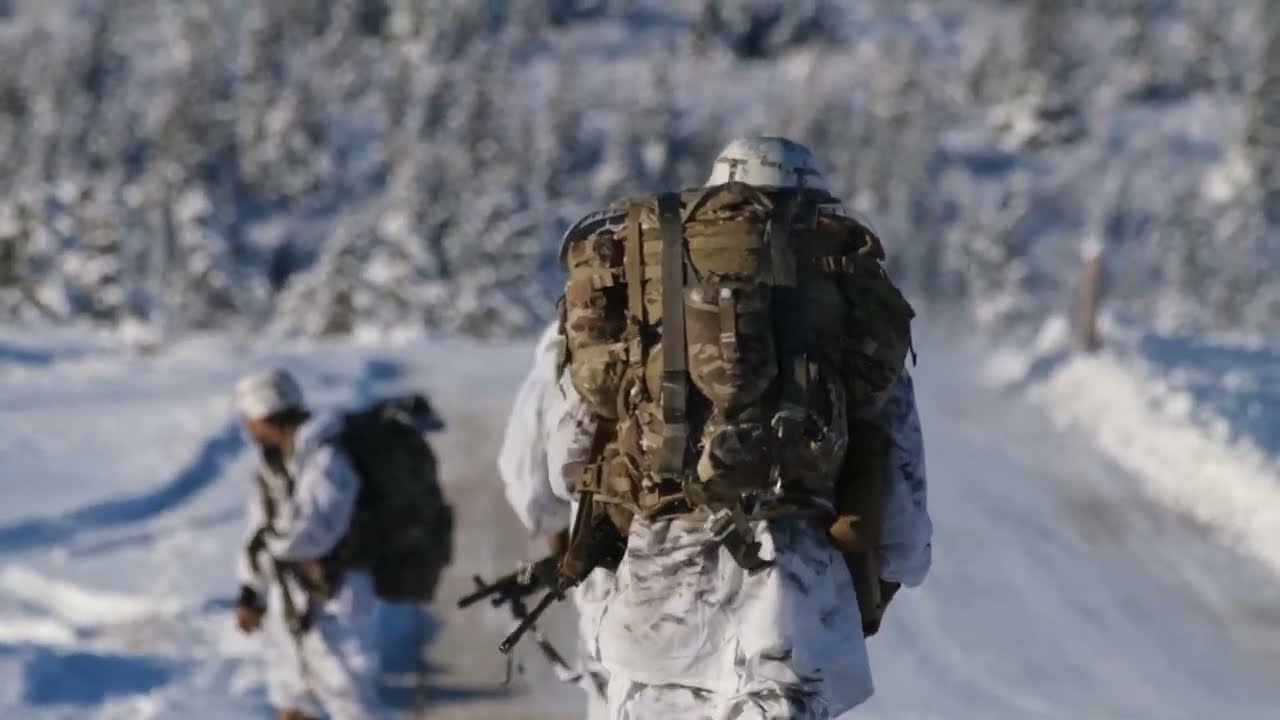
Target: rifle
{"type": "Point", "coordinates": [594, 542]}
{"type": "Point", "coordinates": [511, 590]}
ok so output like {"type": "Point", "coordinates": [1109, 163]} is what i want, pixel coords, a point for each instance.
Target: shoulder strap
{"type": "Point", "coordinates": [257, 541]}
{"type": "Point", "coordinates": [272, 462]}
{"type": "Point", "coordinates": [675, 375]}
{"type": "Point", "coordinates": [782, 258]}
{"type": "Point", "coordinates": [591, 477]}
{"type": "Point", "coordinates": [633, 273]}
{"type": "Point", "coordinates": [793, 365]}
{"type": "Point", "coordinates": [633, 264]}
{"type": "Point", "coordinates": [264, 495]}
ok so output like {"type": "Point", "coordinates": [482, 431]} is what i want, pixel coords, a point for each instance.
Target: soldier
{"type": "Point", "coordinates": [536, 448]}
{"type": "Point", "coordinates": [752, 433]}
{"type": "Point", "coordinates": [318, 618]}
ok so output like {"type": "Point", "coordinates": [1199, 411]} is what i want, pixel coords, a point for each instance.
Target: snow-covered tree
{"type": "Point", "coordinates": [756, 29]}
{"type": "Point", "coordinates": [323, 165]}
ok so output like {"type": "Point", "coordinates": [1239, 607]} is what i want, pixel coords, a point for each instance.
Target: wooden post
{"type": "Point", "coordinates": [1089, 297]}
{"type": "Point", "coordinates": [9, 254]}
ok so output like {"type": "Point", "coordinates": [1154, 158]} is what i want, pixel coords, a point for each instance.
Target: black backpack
{"type": "Point", "coordinates": [402, 528]}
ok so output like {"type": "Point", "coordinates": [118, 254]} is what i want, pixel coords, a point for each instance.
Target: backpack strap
{"type": "Point", "coordinates": [633, 272]}
{"type": "Point", "coordinates": [257, 543]}
{"type": "Point", "coordinates": [793, 365]}
{"type": "Point", "coordinates": [591, 478]}
{"type": "Point", "coordinates": [782, 257]}
{"type": "Point", "coordinates": [273, 462]}
{"type": "Point", "coordinates": [264, 496]}
{"type": "Point", "coordinates": [633, 265]}
{"type": "Point", "coordinates": [297, 620]}
{"type": "Point", "coordinates": [577, 560]}
{"type": "Point", "coordinates": [675, 371]}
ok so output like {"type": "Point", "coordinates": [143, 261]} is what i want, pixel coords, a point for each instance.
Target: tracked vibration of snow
{"type": "Point", "coordinates": [81, 606]}
{"type": "Point", "coordinates": [1197, 422]}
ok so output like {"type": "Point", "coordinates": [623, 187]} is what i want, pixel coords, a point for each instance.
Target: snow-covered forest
{"type": "Point", "coordinates": [323, 166]}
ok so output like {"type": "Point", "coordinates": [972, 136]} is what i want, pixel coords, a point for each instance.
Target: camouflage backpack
{"type": "Point", "coordinates": [402, 529]}
{"type": "Point", "coordinates": [725, 336]}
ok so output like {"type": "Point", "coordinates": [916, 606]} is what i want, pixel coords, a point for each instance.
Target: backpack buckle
{"type": "Point", "coordinates": [788, 423]}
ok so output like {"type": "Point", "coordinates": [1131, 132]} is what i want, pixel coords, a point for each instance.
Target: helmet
{"type": "Point", "coordinates": [266, 393]}
{"type": "Point", "coordinates": [764, 160]}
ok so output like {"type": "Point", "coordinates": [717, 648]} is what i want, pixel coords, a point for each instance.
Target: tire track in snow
{"type": "Point", "coordinates": [214, 455]}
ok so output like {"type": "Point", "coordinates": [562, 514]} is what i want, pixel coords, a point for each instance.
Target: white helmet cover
{"type": "Point", "coordinates": [765, 160]}
{"type": "Point", "coordinates": [266, 393]}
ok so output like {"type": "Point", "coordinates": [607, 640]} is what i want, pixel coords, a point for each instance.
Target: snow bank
{"type": "Point", "coordinates": [1197, 421]}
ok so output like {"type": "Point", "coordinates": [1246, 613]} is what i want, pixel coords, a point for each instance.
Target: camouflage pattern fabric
{"type": "Point", "coordinates": [589, 599]}
{"type": "Point", "coordinates": [686, 633]}
{"type": "Point", "coordinates": [331, 670]}
{"type": "Point", "coordinates": [636, 701]}
{"type": "Point", "coordinates": [782, 315]}
{"type": "Point", "coordinates": [689, 634]}
{"type": "Point", "coordinates": [905, 549]}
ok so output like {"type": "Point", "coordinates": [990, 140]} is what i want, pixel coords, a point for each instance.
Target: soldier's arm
{"type": "Point", "coordinates": [905, 550]}
{"type": "Point", "coordinates": [319, 513]}
{"type": "Point", "coordinates": [569, 447]}
{"type": "Point", "coordinates": [522, 459]}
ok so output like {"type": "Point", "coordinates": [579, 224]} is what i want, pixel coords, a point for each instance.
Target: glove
{"type": "Point", "coordinates": [249, 610]}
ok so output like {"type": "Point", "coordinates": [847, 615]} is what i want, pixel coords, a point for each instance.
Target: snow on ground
{"type": "Point", "coordinates": [122, 484]}
{"type": "Point", "coordinates": [1061, 590]}
{"type": "Point", "coordinates": [1196, 421]}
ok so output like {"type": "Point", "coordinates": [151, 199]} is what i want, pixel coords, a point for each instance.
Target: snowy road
{"type": "Point", "coordinates": [1058, 591]}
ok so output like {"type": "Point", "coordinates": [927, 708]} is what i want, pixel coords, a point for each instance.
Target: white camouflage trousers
{"type": "Point", "coordinates": [332, 670]}
{"type": "Point", "coordinates": [770, 701]}
{"type": "Point", "coordinates": [589, 598]}
{"type": "Point", "coordinates": [691, 635]}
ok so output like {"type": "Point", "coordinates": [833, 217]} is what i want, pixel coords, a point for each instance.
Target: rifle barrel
{"type": "Point", "coordinates": [528, 621]}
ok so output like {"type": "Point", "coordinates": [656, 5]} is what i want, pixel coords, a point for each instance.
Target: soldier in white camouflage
{"type": "Point", "coordinates": [768, 469]}
{"type": "Point", "coordinates": [319, 620]}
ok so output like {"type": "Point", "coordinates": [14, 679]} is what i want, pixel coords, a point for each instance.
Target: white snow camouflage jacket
{"type": "Point", "coordinates": [308, 519]}
{"type": "Point", "coordinates": [534, 450]}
